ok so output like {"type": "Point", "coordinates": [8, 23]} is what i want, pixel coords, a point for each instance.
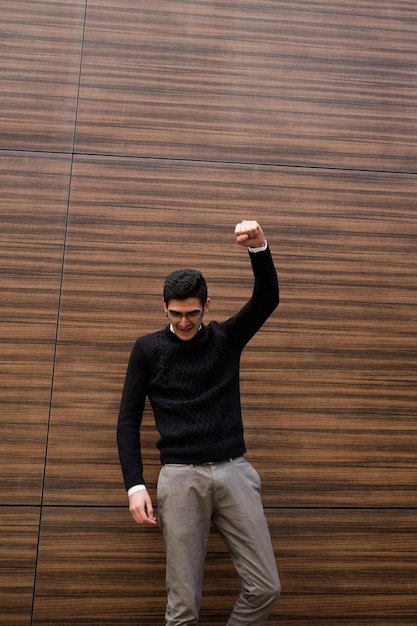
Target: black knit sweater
{"type": "Point", "coordinates": [193, 386]}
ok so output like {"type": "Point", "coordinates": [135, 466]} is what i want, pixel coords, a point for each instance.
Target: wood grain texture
{"type": "Point", "coordinates": [18, 549]}
{"type": "Point", "coordinates": [39, 73]}
{"type": "Point", "coordinates": [328, 386]}
{"type": "Point", "coordinates": [282, 82]}
{"type": "Point", "coordinates": [158, 126]}
{"type": "Point", "coordinates": [33, 208]}
{"type": "Point", "coordinates": [339, 566]}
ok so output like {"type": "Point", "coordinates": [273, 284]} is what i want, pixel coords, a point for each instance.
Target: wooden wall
{"type": "Point", "coordinates": [134, 135]}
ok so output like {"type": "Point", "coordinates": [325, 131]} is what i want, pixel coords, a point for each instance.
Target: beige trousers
{"type": "Point", "coordinates": [228, 494]}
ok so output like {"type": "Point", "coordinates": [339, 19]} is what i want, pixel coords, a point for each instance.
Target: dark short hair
{"type": "Point", "coordinates": [183, 284]}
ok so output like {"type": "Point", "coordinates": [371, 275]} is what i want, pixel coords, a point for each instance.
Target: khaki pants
{"type": "Point", "coordinates": [228, 493]}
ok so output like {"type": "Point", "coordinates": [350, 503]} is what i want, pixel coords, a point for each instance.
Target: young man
{"type": "Point", "coordinates": [190, 373]}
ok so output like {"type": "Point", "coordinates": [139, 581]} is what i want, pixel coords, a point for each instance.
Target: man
{"type": "Point", "coordinates": [190, 373]}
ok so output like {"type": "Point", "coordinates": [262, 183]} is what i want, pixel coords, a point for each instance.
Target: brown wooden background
{"type": "Point", "coordinates": [134, 135]}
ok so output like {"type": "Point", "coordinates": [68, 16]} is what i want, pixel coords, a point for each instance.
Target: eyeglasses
{"type": "Point", "coordinates": [191, 316]}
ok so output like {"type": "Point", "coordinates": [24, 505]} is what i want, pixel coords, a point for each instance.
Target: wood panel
{"type": "Point", "coordinates": [40, 64]}
{"type": "Point", "coordinates": [18, 549]}
{"type": "Point", "coordinates": [301, 114]}
{"type": "Point", "coordinates": [282, 82]}
{"type": "Point", "coordinates": [33, 208]}
{"type": "Point", "coordinates": [346, 567]}
{"type": "Point", "coordinates": [328, 386]}
{"type": "Point", "coordinates": [354, 566]}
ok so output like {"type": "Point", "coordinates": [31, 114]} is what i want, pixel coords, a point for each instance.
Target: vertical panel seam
{"type": "Point", "coordinates": [58, 312]}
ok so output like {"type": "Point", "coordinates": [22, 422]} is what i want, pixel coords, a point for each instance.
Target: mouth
{"type": "Point", "coordinates": [185, 331]}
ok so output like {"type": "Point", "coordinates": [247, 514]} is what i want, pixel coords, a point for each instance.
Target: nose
{"type": "Point", "coordinates": [183, 321]}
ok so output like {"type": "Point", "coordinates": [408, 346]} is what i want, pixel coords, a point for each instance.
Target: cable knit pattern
{"type": "Point", "coordinates": [193, 386]}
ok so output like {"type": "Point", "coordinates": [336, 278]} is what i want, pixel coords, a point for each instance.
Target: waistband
{"type": "Point", "coordinates": [217, 462]}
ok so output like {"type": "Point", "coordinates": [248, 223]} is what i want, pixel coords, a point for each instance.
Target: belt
{"type": "Point", "coordinates": [214, 462]}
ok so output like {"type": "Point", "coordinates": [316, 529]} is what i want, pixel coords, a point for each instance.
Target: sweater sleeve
{"type": "Point", "coordinates": [130, 418]}
{"type": "Point", "coordinates": [264, 300]}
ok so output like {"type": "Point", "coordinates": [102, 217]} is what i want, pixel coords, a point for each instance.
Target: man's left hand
{"type": "Point", "coordinates": [250, 234]}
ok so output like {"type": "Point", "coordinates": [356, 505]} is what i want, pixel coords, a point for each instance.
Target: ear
{"type": "Point", "coordinates": [165, 307]}
{"type": "Point", "coordinates": [206, 306]}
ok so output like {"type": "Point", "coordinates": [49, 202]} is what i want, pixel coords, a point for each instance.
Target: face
{"type": "Point", "coordinates": [185, 316]}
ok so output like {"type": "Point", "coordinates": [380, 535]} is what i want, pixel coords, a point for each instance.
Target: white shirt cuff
{"type": "Point", "coordinates": [134, 489]}
{"type": "Point", "coordinates": [260, 249]}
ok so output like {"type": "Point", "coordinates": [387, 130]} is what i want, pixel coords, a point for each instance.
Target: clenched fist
{"type": "Point", "coordinates": [250, 234]}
